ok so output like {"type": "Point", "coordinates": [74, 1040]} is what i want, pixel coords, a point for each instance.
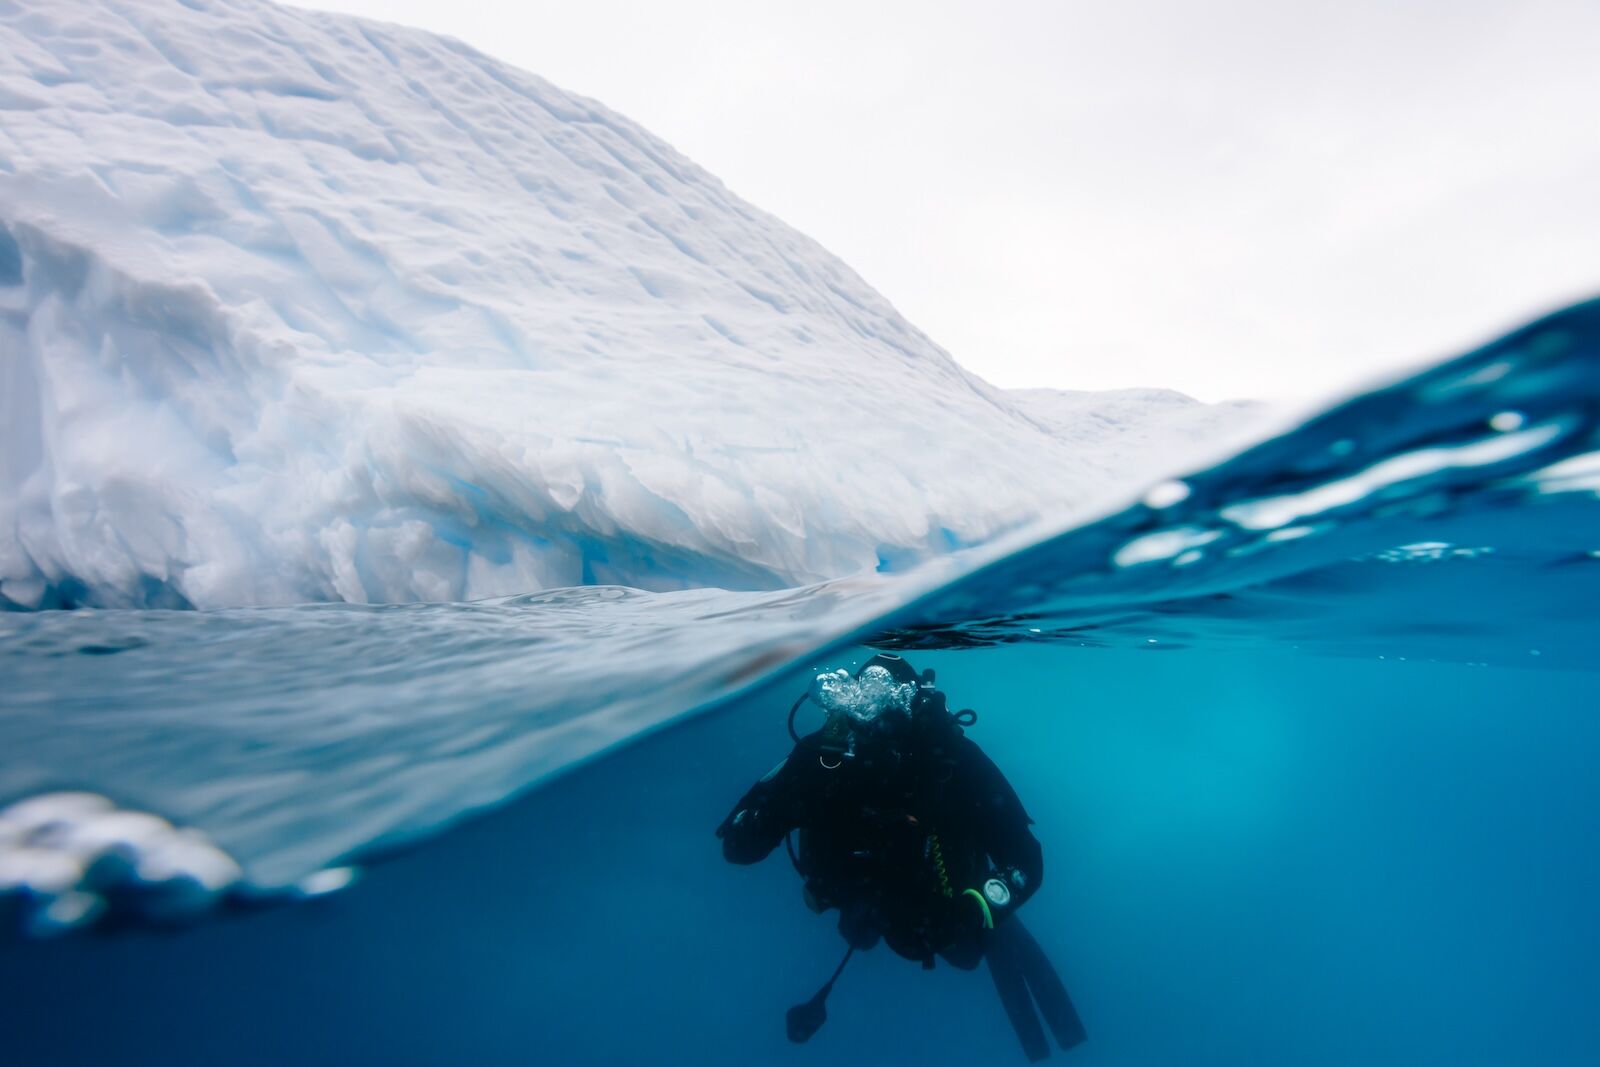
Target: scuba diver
{"type": "Point", "coordinates": [915, 837]}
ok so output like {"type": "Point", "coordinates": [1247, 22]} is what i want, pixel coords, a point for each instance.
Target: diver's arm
{"type": "Point", "coordinates": [763, 816]}
{"type": "Point", "coordinates": [1004, 825]}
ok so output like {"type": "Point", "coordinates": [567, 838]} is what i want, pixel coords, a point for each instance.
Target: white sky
{"type": "Point", "coordinates": [1233, 198]}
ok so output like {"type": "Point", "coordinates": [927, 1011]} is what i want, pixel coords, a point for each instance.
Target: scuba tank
{"type": "Point", "coordinates": [936, 732]}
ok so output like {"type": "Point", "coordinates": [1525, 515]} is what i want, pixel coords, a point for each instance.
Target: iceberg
{"type": "Point", "coordinates": [298, 307]}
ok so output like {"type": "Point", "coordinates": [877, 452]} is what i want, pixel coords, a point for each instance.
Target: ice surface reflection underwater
{"type": "Point", "coordinates": [1344, 815]}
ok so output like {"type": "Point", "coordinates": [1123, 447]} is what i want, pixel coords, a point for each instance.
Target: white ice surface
{"type": "Point", "coordinates": [298, 307]}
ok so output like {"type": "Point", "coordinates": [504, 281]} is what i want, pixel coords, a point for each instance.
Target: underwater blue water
{"type": "Point", "coordinates": [1309, 741]}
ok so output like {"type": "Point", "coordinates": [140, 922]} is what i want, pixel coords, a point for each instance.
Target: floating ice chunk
{"type": "Point", "coordinates": [68, 858]}
{"type": "Point", "coordinates": [326, 881]}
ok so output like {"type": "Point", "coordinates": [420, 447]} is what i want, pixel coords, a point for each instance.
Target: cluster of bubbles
{"type": "Point", "coordinates": [1431, 552]}
{"type": "Point", "coordinates": [69, 860]}
{"type": "Point", "coordinates": [864, 700]}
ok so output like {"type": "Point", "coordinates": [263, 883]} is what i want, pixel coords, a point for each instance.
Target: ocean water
{"type": "Point", "coordinates": [1309, 739]}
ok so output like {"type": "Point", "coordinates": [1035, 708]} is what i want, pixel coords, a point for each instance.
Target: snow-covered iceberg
{"type": "Point", "coordinates": [300, 307]}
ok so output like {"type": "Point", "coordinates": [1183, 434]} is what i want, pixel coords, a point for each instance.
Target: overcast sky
{"type": "Point", "coordinates": [1233, 198]}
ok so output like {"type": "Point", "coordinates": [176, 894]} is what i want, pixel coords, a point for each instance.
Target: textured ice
{"type": "Point", "coordinates": [298, 307]}
{"type": "Point", "coordinates": [1129, 425]}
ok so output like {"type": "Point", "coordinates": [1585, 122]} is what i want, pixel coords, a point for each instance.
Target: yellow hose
{"type": "Point", "coordinates": [938, 865]}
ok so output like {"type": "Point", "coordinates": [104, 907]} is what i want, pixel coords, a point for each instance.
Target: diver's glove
{"type": "Point", "coordinates": [744, 822]}
{"type": "Point", "coordinates": [747, 835]}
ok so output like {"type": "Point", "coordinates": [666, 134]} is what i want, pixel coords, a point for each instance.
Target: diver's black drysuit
{"type": "Point", "coordinates": [907, 836]}
{"type": "Point", "coordinates": [873, 834]}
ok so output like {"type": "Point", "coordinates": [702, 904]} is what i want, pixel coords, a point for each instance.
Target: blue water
{"type": "Point", "coordinates": [1309, 741]}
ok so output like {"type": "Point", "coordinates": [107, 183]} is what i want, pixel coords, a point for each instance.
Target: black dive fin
{"type": "Point", "coordinates": [1045, 985]}
{"type": "Point", "coordinates": [803, 1020]}
{"type": "Point", "coordinates": [1006, 969]}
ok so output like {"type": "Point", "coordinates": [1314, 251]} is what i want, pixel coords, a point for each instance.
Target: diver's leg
{"type": "Point", "coordinates": [1006, 970]}
{"type": "Point", "coordinates": [858, 925]}
{"type": "Point", "coordinates": [965, 953]}
{"type": "Point", "coordinates": [1045, 984]}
